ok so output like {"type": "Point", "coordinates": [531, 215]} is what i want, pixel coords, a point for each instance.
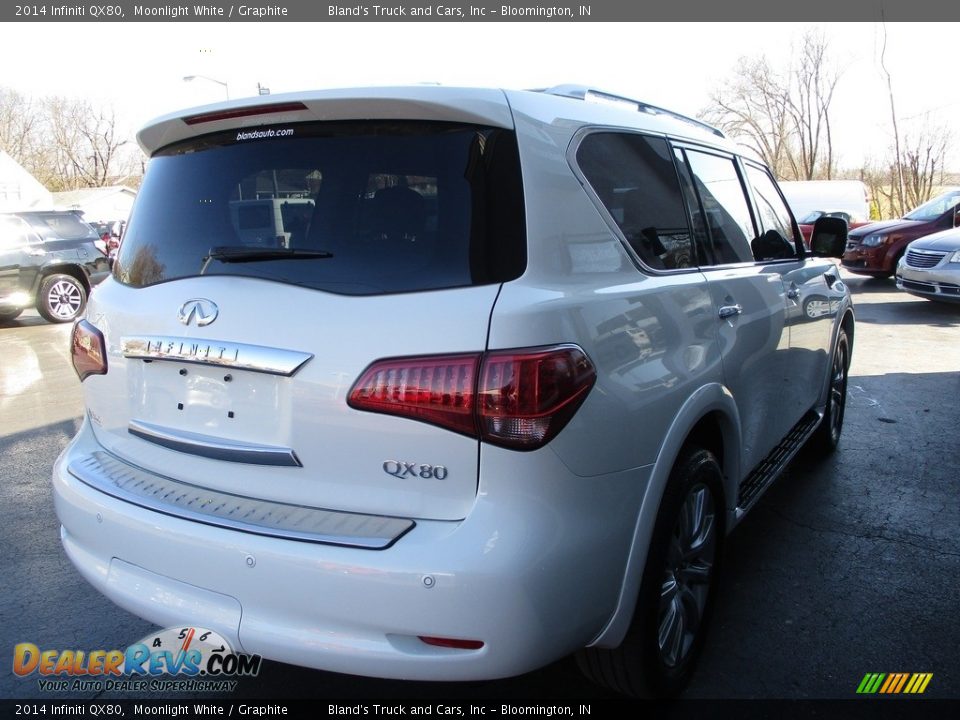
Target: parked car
{"type": "Point", "coordinates": [500, 398]}
{"type": "Point", "coordinates": [806, 222]}
{"type": "Point", "coordinates": [875, 249]}
{"type": "Point", "coordinates": [931, 267]}
{"type": "Point", "coordinates": [48, 260]}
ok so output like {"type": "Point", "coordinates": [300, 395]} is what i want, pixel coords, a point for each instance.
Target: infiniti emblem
{"type": "Point", "coordinates": [199, 311]}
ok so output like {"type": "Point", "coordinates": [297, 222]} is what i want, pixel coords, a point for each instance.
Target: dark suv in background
{"type": "Point", "coordinates": [48, 260]}
{"type": "Point", "coordinates": [875, 249]}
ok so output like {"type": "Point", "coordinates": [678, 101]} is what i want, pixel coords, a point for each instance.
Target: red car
{"type": "Point", "coordinates": [876, 248]}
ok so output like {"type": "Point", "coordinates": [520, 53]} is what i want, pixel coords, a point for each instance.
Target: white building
{"type": "Point", "coordinates": [19, 190]}
{"type": "Point", "coordinates": [101, 204]}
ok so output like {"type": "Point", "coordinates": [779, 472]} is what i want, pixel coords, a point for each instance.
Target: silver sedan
{"type": "Point", "coordinates": [931, 267]}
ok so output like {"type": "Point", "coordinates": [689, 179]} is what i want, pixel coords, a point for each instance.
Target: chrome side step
{"type": "Point", "coordinates": [117, 478]}
{"type": "Point", "coordinates": [773, 464]}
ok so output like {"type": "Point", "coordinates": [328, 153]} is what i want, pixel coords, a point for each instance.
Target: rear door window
{"type": "Point", "coordinates": [724, 207]}
{"type": "Point", "coordinates": [635, 179]}
{"type": "Point", "coordinates": [360, 208]}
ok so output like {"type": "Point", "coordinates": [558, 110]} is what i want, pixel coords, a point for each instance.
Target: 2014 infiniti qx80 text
{"type": "Point", "coordinates": [446, 383]}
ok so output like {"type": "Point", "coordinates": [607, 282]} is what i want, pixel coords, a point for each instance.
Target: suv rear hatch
{"type": "Point", "coordinates": [231, 357]}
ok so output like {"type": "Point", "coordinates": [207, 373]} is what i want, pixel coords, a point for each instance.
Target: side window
{"type": "Point", "coordinates": [727, 214]}
{"type": "Point", "coordinates": [635, 179]}
{"type": "Point", "coordinates": [776, 240]}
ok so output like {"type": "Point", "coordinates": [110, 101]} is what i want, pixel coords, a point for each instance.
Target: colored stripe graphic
{"type": "Point", "coordinates": [894, 683]}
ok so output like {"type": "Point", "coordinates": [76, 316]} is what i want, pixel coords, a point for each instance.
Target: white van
{"type": "Point", "coordinates": [827, 196]}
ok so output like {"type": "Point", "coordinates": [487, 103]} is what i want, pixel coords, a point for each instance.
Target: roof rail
{"type": "Point", "coordinates": [588, 94]}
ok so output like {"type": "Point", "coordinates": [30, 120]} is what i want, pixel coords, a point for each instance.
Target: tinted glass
{"type": "Point", "coordinates": [352, 208]}
{"type": "Point", "coordinates": [65, 226]}
{"type": "Point", "coordinates": [776, 240]}
{"type": "Point", "coordinates": [724, 205]}
{"type": "Point", "coordinates": [635, 179]}
{"type": "Point", "coordinates": [15, 233]}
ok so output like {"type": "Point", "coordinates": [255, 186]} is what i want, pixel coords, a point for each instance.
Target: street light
{"type": "Point", "coordinates": [188, 78]}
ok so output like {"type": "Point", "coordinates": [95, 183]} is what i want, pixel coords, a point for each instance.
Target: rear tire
{"type": "Point", "coordinates": [670, 621]}
{"type": "Point", "coordinates": [826, 437]}
{"type": "Point", "coordinates": [61, 298]}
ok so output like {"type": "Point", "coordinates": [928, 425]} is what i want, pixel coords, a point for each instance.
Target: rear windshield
{"type": "Point", "coordinates": [361, 208]}
{"type": "Point", "coordinates": [65, 226]}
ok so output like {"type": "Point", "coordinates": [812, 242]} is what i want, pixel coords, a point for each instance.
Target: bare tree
{"type": "Point", "coordinates": [810, 95]}
{"type": "Point", "coordinates": [784, 116]}
{"type": "Point", "coordinates": [88, 149]}
{"type": "Point", "coordinates": [21, 130]}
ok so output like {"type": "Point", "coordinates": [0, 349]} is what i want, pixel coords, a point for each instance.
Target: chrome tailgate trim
{"type": "Point", "coordinates": [240, 356]}
{"type": "Point", "coordinates": [108, 474]}
{"type": "Point", "coordinates": [214, 448]}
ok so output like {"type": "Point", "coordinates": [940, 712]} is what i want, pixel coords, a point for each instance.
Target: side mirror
{"type": "Point", "coordinates": [829, 237]}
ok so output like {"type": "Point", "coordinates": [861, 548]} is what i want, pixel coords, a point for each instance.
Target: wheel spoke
{"type": "Point", "coordinates": [696, 573]}
{"type": "Point", "coordinates": [669, 590]}
{"type": "Point", "coordinates": [670, 636]}
{"type": "Point", "coordinates": [692, 608]}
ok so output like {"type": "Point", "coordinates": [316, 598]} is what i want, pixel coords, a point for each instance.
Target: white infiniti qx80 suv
{"type": "Point", "coordinates": [440, 383]}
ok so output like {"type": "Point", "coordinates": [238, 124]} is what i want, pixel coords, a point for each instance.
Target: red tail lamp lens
{"type": "Point", "coordinates": [437, 390]}
{"type": "Point", "coordinates": [525, 397]}
{"type": "Point", "coordinates": [452, 643]}
{"type": "Point", "coordinates": [88, 350]}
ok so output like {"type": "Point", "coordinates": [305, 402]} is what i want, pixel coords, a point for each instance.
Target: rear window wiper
{"type": "Point", "coordinates": [245, 253]}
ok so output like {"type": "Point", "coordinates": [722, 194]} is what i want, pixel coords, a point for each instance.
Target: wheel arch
{"type": "Point", "coordinates": [847, 323]}
{"type": "Point", "coordinates": [709, 419]}
{"type": "Point", "coordinates": [73, 271]}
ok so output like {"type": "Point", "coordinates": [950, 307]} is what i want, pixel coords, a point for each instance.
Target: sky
{"type": "Point", "coordinates": [138, 68]}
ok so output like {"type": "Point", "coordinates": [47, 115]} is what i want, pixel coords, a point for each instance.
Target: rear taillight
{"type": "Point", "coordinates": [518, 398]}
{"type": "Point", "coordinates": [88, 350]}
{"type": "Point", "coordinates": [527, 397]}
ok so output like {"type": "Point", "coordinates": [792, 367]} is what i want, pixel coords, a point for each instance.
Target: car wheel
{"type": "Point", "coordinates": [8, 315]}
{"type": "Point", "coordinates": [816, 306]}
{"type": "Point", "coordinates": [827, 435]}
{"type": "Point", "coordinates": [674, 605]}
{"type": "Point", "coordinates": [61, 298]}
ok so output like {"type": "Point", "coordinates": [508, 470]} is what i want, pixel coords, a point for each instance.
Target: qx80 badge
{"type": "Point", "coordinates": [401, 469]}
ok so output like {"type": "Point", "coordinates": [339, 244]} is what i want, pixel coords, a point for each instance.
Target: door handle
{"type": "Point", "coordinates": [728, 311]}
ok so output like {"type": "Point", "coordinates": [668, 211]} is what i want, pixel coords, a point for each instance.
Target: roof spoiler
{"type": "Point", "coordinates": [588, 94]}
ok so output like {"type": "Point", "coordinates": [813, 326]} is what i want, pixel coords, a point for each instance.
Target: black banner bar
{"type": "Point", "coordinates": [587, 11]}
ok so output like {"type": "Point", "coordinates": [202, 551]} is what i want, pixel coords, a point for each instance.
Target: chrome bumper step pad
{"type": "Point", "coordinates": [113, 476]}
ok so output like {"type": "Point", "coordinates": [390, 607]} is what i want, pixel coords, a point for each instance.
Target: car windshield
{"type": "Point", "coordinates": [934, 208]}
{"type": "Point", "coordinates": [810, 217]}
{"type": "Point", "coordinates": [358, 208]}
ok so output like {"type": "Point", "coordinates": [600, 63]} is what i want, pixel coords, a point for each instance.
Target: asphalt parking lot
{"type": "Point", "coordinates": [845, 567]}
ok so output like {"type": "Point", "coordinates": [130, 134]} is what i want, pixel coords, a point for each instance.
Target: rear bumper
{"type": "Point", "coordinates": [534, 574]}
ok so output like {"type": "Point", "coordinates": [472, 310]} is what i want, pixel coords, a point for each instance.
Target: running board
{"type": "Point", "coordinates": [773, 464]}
